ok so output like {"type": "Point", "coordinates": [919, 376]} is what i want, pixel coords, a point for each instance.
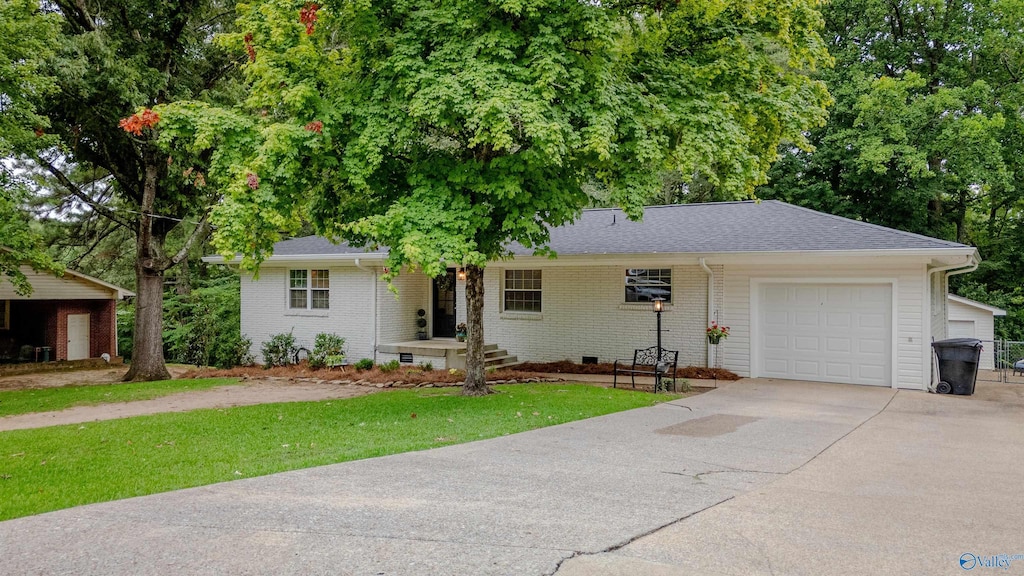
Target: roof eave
{"type": "Point", "coordinates": [285, 258]}
{"type": "Point", "coordinates": [975, 304]}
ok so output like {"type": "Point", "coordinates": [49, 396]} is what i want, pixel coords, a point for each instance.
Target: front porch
{"type": "Point", "coordinates": [447, 353]}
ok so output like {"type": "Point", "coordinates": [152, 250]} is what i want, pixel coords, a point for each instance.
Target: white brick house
{"type": "Point", "coordinates": [807, 295]}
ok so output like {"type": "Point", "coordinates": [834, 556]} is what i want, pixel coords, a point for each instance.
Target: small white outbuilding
{"type": "Point", "coordinates": [971, 319]}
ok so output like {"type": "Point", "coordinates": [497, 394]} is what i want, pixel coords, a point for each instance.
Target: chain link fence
{"type": "Point", "coordinates": [1002, 361]}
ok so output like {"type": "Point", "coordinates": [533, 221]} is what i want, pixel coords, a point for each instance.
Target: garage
{"type": "Point", "coordinates": [825, 332]}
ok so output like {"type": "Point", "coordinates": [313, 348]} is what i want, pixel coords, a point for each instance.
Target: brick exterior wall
{"type": "Point", "coordinates": [585, 314]}
{"type": "Point", "coordinates": [102, 327]}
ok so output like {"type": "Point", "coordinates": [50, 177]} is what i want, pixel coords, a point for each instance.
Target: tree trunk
{"type": "Point", "coordinates": [476, 376]}
{"type": "Point", "coordinates": [148, 339]}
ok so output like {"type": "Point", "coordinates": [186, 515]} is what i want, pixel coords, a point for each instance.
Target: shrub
{"type": "Point", "coordinates": [427, 366]}
{"type": "Point", "coordinates": [326, 344]}
{"type": "Point", "coordinates": [390, 366]}
{"type": "Point", "coordinates": [364, 364]}
{"type": "Point", "coordinates": [279, 350]}
{"type": "Point", "coordinates": [201, 327]}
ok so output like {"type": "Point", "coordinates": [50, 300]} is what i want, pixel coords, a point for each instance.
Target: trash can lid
{"type": "Point", "coordinates": [957, 343]}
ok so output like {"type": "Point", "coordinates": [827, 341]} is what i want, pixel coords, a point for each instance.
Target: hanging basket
{"type": "Point", "coordinates": [714, 339]}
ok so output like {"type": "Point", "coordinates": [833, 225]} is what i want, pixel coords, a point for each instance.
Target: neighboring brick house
{"type": "Point", "coordinates": [807, 295]}
{"type": "Point", "coordinates": [69, 317]}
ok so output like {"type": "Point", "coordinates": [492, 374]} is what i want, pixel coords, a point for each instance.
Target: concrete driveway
{"type": "Point", "coordinates": [756, 477]}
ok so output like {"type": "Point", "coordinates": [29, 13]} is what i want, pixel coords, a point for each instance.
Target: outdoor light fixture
{"type": "Point", "coordinates": [461, 274]}
{"type": "Point", "coordinates": [658, 304]}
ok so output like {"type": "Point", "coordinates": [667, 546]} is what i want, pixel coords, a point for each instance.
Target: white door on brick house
{"type": "Point", "coordinates": [78, 336]}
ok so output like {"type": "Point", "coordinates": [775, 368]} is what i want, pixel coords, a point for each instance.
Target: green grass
{"type": "Point", "coordinates": [49, 399]}
{"type": "Point", "coordinates": [62, 466]}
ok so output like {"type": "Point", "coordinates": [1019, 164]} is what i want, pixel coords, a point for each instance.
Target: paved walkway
{"type": "Point", "coordinates": [728, 482]}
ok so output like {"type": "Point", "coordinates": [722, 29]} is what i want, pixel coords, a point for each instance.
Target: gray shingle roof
{"type": "Point", "coordinates": [318, 246]}
{"type": "Point", "coordinates": [719, 227]}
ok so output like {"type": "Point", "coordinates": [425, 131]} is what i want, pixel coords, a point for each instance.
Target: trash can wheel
{"type": "Point", "coordinates": [944, 387]}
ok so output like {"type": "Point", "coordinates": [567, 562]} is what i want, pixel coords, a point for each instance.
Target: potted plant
{"type": "Point", "coordinates": [716, 333]}
{"type": "Point", "coordinates": [460, 332]}
{"type": "Point", "coordinates": [421, 324]}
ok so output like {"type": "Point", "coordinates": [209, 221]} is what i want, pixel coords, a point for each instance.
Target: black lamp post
{"type": "Point", "coordinates": [658, 304]}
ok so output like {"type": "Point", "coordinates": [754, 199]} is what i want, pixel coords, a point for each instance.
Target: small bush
{"type": "Point", "coordinates": [364, 364]}
{"type": "Point", "coordinates": [326, 344]}
{"type": "Point", "coordinates": [279, 350]}
{"type": "Point", "coordinates": [426, 366]}
{"type": "Point", "coordinates": [390, 366]}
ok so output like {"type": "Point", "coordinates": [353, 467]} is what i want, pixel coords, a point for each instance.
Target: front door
{"type": "Point", "coordinates": [78, 336]}
{"type": "Point", "coordinates": [444, 305]}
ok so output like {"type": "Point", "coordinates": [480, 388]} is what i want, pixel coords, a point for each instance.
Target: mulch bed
{"type": "Point", "coordinates": [567, 367]}
{"type": "Point", "coordinates": [404, 377]}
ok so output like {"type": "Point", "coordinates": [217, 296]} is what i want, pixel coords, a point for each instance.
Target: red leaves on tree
{"type": "Point", "coordinates": [252, 180]}
{"type": "Point", "coordinates": [307, 15]}
{"type": "Point", "coordinates": [249, 48]}
{"type": "Point", "coordinates": [136, 122]}
{"type": "Point", "coordinates": [315, 126]}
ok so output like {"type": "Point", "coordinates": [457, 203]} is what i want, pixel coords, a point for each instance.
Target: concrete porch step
{"type": "Point", "coordinates": [502, 361]}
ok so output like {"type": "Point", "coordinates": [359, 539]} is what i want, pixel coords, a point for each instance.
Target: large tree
{"type": "Point", "coordinates": [927, 130]}
{"type": "Point", "coordinates": [26, 41]}
{"type": "Point", "coordinates": [113, 58]}
{"type": "Point", "coordinates": [446, 130]}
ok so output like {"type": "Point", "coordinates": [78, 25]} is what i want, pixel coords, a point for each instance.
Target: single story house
{"type": "Point", "coordinates": [807, 295]}
{"type": "Point", "coordinates": [69, 317]}
{"type": "Point", "coordinates": [971, 319]}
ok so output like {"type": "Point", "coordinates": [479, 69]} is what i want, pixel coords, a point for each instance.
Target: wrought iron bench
{"type": "Point", "coordinates": [646, 363]}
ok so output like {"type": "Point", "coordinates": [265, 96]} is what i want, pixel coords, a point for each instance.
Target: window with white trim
{"type": "Point", "coordinates": [646, 284]}
{"type": "Point", "coordinates": [309, 289]}
{"type": "Point", "coordinates": [522, 291]}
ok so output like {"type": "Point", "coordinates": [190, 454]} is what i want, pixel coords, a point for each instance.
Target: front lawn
{"type": "Point", "coordinates": [50, 399]}
{"type": "Point", "coordinates": [62, 466]}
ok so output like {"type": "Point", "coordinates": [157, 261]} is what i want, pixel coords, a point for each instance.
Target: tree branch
{"type": "Point", "coordinates": [77, 192]}
{"type": "Point", "coordinates": [200, 231]}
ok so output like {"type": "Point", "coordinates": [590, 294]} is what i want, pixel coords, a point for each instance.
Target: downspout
{"type": "Point", "coordinates": [373, 304]}
{"type": "Point", "coordinates": [711, 303]}
{"type": "Point", "coordinates": [953, 269]}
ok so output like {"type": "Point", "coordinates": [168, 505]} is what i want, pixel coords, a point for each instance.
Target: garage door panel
{"type": "Point", "coordinates": [776, 367]}
{"type": "Point", "coordinates": [806, 296]}
{"type": "Point", "coordinates": [841, 345]}
{"type": "Point", "coordinates": [826, 332]}
{"type": "Point", "coordinates": [872, 320]}
{"type": "Point", "coordinates": [838, 319]}
{"type": "Point", "coordinates": [837, 296]}
{"type": "Point", "coordinates": [867, 346]}
{"type": "Point", "coordinates": [843, 370]}
{"type": "Point", "coordinates": [806, 319]}
{"type": "Point", "coordinates": [806, 344]}
{"type": "Point", "coordinates": [806, 370]}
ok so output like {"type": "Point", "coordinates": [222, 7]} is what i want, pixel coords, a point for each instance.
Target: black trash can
{"type": "Point", "coordinates": [958, 364]}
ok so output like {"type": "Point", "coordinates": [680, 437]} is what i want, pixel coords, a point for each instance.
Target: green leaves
{"type": "Point", "coordinates": [452, 129]}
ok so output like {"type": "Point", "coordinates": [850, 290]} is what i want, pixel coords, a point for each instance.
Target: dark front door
{"type": "Point", "coordinates": [444, 305]}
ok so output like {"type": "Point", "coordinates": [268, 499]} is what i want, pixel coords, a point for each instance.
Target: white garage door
{"type": "Point", "coordinates": [826, 332]}
{"type": "Point", "coordinates": [961, 328]}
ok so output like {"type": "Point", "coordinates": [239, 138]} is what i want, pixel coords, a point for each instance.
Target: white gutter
{"type": "Point", "coordinates": [711, 303]}
{"type": "Point", "coordinates": [373, 305]}
{"type": "Point", "coordinates": [969, 265]}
